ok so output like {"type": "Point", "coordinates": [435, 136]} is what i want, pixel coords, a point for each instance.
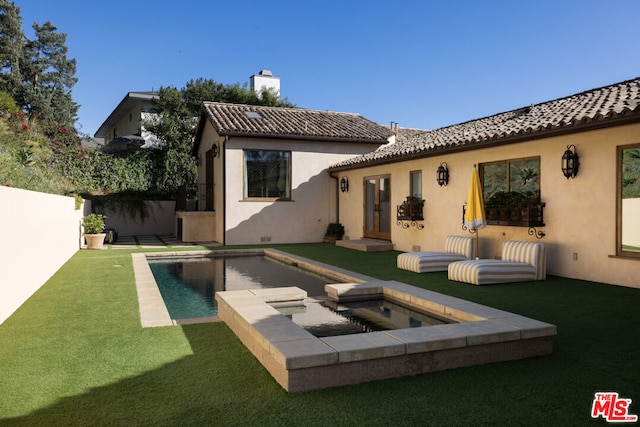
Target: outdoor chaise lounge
{"type": "Point", "coordinates": [456, 248]}
{"type": "Point", "coordinates": [521, 262]}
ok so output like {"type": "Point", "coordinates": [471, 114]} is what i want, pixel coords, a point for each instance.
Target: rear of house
{"type": "Point", "coordinates": [588, 222]}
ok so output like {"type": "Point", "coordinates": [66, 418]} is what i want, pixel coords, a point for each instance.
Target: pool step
{"type": "Point", "coordinates": [366, 245]}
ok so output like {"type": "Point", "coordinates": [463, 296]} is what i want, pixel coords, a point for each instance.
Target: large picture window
{"type": "Point", "coordinates": [519, 175]}
{"type": "Point", "coordinates": [267, 174]}
{"type": "Point", "coordinates": [628, 196]}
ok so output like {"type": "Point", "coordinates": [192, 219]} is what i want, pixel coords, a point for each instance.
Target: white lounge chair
{"type": "Point", "coordinates": [456, 248]}
{"type": "Point", "coordinates": [521, 262]}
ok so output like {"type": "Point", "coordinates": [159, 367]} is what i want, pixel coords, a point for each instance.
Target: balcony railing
{"type": "Point", "coordinates": [194, 200]}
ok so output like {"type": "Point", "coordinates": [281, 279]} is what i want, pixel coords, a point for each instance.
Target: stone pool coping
{"type": "Point", "coordinates": [153, 311]}
{"type": "Point", "coordinates": [299, 361]}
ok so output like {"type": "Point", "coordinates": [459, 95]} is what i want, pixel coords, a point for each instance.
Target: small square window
{"type": "Point", "coordinates": [267, 174]}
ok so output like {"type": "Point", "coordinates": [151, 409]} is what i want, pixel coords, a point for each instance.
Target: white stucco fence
{"type": "Point", "coordinates": [39, 233]}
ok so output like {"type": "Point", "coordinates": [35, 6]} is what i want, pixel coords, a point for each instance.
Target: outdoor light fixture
{"type": "Point", "coordinates": [215, 150]}
{"type": "Point", "coordinates": [442, 175]}
{"type": "Point", "coordinates": [570, 162]}
{"type": "Point", "coordinates": [344, 184]}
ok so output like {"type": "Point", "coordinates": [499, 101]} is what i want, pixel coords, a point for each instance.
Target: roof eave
{"type": "Point", "coordinates": [622, 120]}
{"type": "Point", "coordinates": [324, 138]}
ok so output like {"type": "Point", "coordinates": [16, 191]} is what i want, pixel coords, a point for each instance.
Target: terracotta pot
{"type": "Point", "coordinates": [95, 241]}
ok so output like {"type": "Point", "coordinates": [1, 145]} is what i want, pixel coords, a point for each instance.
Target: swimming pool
{"type": "Point", "coordinates": [188, 284]}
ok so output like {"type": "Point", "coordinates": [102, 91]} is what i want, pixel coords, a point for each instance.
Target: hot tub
{"type": "Point", "coordinates": [299, 361]}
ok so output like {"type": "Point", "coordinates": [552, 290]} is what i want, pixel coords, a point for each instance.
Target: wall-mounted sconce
{"type": "Point", "coordinates": [570, 162]}
{"type": "Point", "coordinates": [344, 184]}
{"type": "Point", "coordinates": [215, 150]}
{"type": "Point", "coordinates": [442, 175]}
{"type": "Point", "coordinates": [198, 160]}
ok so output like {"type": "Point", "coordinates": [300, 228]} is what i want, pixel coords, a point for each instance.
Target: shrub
{"type": "Point", "coordinates": [93, 223]}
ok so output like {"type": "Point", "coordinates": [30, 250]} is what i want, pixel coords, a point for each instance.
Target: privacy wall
{"type": "Point", "coordinates": [39, 233]}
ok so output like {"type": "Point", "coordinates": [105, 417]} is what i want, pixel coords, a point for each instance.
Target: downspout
{"type": "Point", "coordinates": [337, 197]}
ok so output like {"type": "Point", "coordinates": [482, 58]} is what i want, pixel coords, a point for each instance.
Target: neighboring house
{"type": "Point", "coordinates": [123, 128]}
{"type": "Point", "coordinates": [265, 171]}
{"type": "Point", "coordinates": [591, 221]}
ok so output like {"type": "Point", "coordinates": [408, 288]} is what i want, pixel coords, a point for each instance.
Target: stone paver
{"type": "Point", "coordinates": [149, 242]}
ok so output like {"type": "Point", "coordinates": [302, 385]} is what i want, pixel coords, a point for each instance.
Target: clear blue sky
{"type": "Point", "coordinates": [424, 64]}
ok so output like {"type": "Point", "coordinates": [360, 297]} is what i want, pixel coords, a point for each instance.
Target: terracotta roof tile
{"type": "Point", "coordinates": [277, 122]}
{"type": "Point", "coordinates": [593, 108]}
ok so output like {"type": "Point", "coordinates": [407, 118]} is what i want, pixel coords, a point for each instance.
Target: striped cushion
{"type": "Point", "coordinates": [488, 271]}
{"type": "Point", "coordinates": [461, 245]}
{"type": "Point", "coordinates": [426, 262]}
{"type": "Point", "coordinates": [457, 248]}
{"type": "Point", "coordinates": [530, 252]}
{"type": "Point", "coordinates": [521, 261]}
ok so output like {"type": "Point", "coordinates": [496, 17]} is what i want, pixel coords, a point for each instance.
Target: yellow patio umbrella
{"type": "Point", "coordinates": [474, 216]}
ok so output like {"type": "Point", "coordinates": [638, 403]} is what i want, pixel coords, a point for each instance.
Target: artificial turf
{"type": "Point", "coordinates": [75, 354]}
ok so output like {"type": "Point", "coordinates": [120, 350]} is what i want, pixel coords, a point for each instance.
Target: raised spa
{"type": "Point", "coordinates": [300, 361]}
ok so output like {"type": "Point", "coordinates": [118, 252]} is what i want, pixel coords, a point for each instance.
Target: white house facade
{"type": "Point", "coordinates": [265, 171]}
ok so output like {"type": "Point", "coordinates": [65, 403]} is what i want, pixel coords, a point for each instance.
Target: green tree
{"type": "Point", "coordinates": [48, 77]}
{"type": "Point", "coordinates": [176, 118]}
{"type": "Point", "coordinates": [11, 47]}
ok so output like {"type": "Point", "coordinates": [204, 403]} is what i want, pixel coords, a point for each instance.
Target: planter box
{"type": "Point", "coordinates": [409, 212]}
{"type": "Point", "coordinates": [524, 216]}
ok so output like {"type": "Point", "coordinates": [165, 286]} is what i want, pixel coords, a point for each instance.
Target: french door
{"type": "Point", "coordinates": [377, 207]}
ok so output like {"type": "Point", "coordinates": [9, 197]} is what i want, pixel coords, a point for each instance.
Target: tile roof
{"type": "Point", "coordinates": [403, 134]}
{"type": "Point", "coordinates": [600, 107]}
{"type": "Point", "coordinates": [295, 123]}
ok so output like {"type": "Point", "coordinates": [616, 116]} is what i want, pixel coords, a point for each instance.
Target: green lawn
{"type": "Point", "coordinates": [75, 354]}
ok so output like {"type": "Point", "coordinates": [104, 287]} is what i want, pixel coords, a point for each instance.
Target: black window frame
{"type": "Point", "coordinates": [487, 193]}
{"type": "Point", "coordinates": [269, 190]}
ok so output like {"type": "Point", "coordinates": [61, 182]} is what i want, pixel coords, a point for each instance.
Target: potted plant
{"type": "Point", "coordinates": [415, 207]}
{"type": "Point", "coordinates": [335, 231]}
{"type": "Point", "coordinates": [411, 209]}
{"type": "Point", "coordinates": [94, 230]}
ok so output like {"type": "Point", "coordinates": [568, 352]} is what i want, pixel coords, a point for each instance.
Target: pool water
{"type": "Point", "coordinates": [188, 285]}
{"type": "Point", "coordinates": [327, 318]}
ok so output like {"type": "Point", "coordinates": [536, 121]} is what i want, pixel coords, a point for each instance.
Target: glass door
{"type": "Point", "coordinates": [377, 207]}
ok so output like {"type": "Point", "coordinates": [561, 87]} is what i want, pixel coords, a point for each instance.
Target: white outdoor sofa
{"type": "Point", "coordinates": [456, 248]}
{"type": "Point", "coordinates": [521, 262]}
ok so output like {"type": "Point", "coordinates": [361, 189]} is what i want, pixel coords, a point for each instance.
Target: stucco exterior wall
{"type": "Point", "coordinates": [213, 225]}
{"type": "Point", "coordinates": [313, 193]}
{"type": "Point", "coordinates": [580, 213]}
{"type": "Point", "coordinates": [127, 124]}
{"type": "Point", "coordinates": [130, 122]}
{"type": "Point", "coordinates": [40, 232]}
